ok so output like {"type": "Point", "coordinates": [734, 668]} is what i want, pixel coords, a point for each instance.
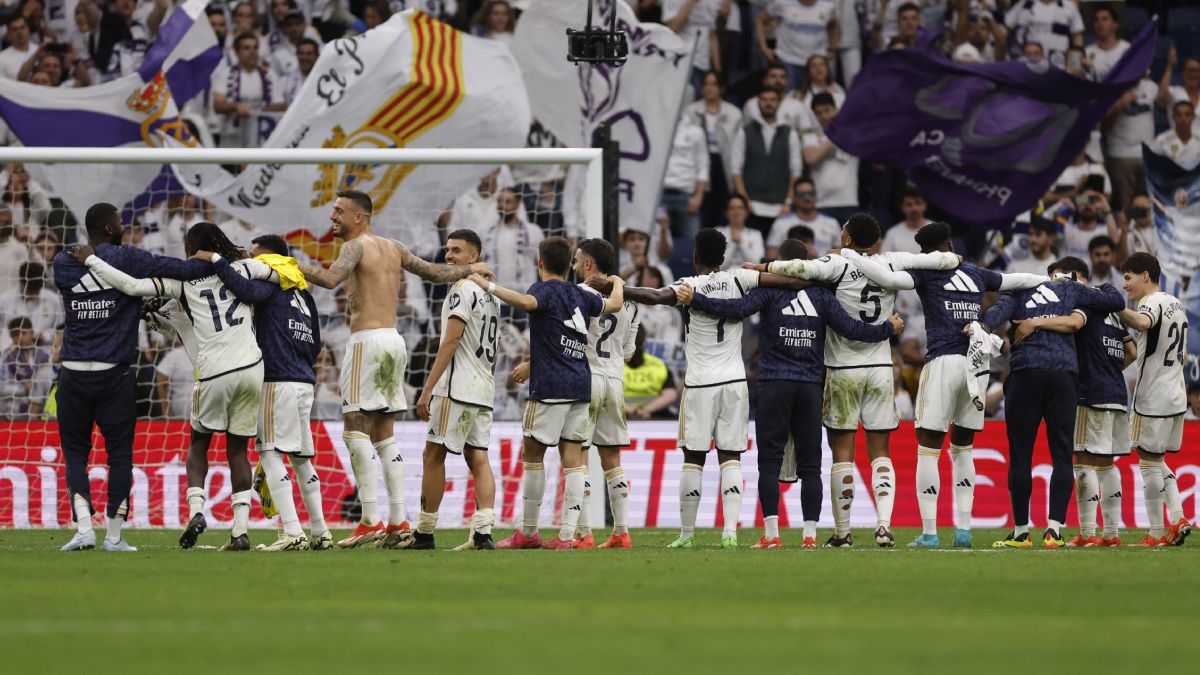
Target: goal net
{"type": "Point", "coordinates": [510, 198]}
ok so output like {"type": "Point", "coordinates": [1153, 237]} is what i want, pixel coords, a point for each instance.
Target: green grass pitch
{"type": "Point", "coordinates": [163, 610]}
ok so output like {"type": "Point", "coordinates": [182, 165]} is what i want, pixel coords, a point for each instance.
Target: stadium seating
{"type": "Point", "coordinates": [1183, 26]}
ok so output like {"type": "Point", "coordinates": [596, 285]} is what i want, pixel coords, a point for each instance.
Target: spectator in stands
{"type": "Point", "coordinates": [834, 171]}
{"type": "Point", "coordinates": [1073, 179]}
{"type": "Point", "coordinates": [744, 244]}
{"type": "Point", "coordinates": [804, 235]}
{"type": "Point", "coordinates": [327, 399]}
{"type": "Point", "coordinates": [1190, 89]}
{"type": "Point", "coordinates": [1033, 53]}
{"type": "Point", "coordinates": [293, 29]}
{"type": "Point", "coordinates": [902, 235]}
{"type": "Point", "coordinates": [650, 389]}
{"type": "Point", "coordinates": [26, 373]}
{"type": "Point", "coordinates": [219, 22]}
{"type": "Point", "coordinates": [33, 301]}
{"type": "Point", "coordinates": [241, 232]}
{"type": "Point", "coordinates": [1179, 142]}
{"type": "Point", "coordinates": [335, 332]}
{"type": "Point", "coordinates": [789, 111]}
{"type": "Point", "coordinates": [1055, 24]}
{"type": "Point", "coordinates": [1076, 63]}
{"type": "Point", "coordinates": [818, 78]}
{"type": "Point", "coordinates": [884, 19]}
{"type": "Point", "coordinates": [13, 251]}
{"type": "Point", "coordinates": [60, 65]}
{"type": "Point", "coordinates": [720, 120]}
{"type": "Point", "coordinates": [849, 51]}
{"type": "Point", "coordinates": [641, 248]}
{"type": "Point", "coordinates": [825, 231]}
{"type": "Point", "coordinates": [34, 12]}
{"type": "Point", "coordinates": [45, 246]}
{"type": "Point", "coordinates": [1142, 237]}
{"type": "Point", "coordinates": [662, 323]}
{"type": "Point", "coordinates": [242, 90]}
{"type": "Point", "coordinates": [1128, 125]}
{"type": "Point", "coordinates": [26, 199]}
{"type": "Point", "coordinates": [494, 21]}
{"type": "Point", "coordinates": [1108, 47]}
{"type": "Point", "coordinates": [119, 42]}
{"type": "Point", "coordinates": [803, 28]}
{"type": "Point", "coordinates": [697, 21]}
{"type": "Point", "coordinates": [1193, 402]}
{"type": "Point", "coordinates": [375, 13]}
{"type": "Point", "coordinates": [765, 162]}
{"type": "Point", "coordinates": [974, 25]}
{"type": "Point", "coordinates": [20, 49]}
{"type": "Point", "coordinates": [1085, 222]}
{"type": "Point", "coordinates": [1037, 253]}
{"type": "Point", "coordinates": [510, 244]}
{"type": "Point", "coordinates": [1102, 251]}
{"type": "Point", "coordinates": [412, 310]}
{"type": "Point", "coordinates": [686, 178]}
{"type": "Point", "coordinates": [307, 52]}
{"type": "Point", "coordinates": [477, 208]}
{"type": "Point", "coordinates": [174, 379]}
{"type": "Point", "coordinates": [245, 19]}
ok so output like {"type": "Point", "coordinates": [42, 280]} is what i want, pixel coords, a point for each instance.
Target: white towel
{"type": "Point", "coordinates": [982, 347]}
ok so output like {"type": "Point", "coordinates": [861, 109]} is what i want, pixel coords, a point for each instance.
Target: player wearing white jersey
{"type": "Point", "coordinates": [610, 344]}
{"type": "Point", "coordinates": [457, 400]}
{"type": "Point", "coordinates": [1160, 398]}
{"type": "Point", "coordinates": [716, 403]}
{"type": "Point", "coordinates": [217, 332]}
{"type": "Point", "coordinates": [859, 386]}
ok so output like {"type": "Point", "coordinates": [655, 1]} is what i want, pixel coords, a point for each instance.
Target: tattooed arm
{"type": "Point", "coordinates": [438, 274]}
{"type": "Point", "coordinates": [348, 258]}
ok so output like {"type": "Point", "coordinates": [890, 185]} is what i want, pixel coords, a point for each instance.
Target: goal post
{"type": "Point", "coordinates": [420, 195]}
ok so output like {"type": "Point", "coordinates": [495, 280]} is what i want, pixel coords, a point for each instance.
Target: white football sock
{"type": "Point", "coordinates": [1019, 530]}
{"type": "Point", "coordinates": [1087, 496]}
{"type": "Point", "coordinates": [883, 485]}
{"type": "Point", "coordinates": [584, 527]}
{"type": "Point", "coordinates": [771, 527]}
{"type": "Point", "coordinates": [1054, 525]}
{"type": "Point", "coordinates": [427, 522]}
{"type": "Point", "coordinates": [618, 498]}
{"type": "Point", "coordinates": [482, 520]}
{"type": "Point", "coordinates": [690, 486]}
{"type": "Point", "coordinates": [533, 487]}
{"type": "Point", "coordinates": [964, 483]}
{"type": "Point", "coordinates": [241, 512]}
{"type": "Point", "coordinates": [195, 501]}
{"type": "Point", "coordinates": [1171, 495]}
{"type": "Point", "coordinates": [928, 484]}
{"type": "Point", "coordinates": [310, 492]}
{"type": "Point", "coordinates": [393, 478]}
{"type": "Point", "coordinates": [810, 528]}
{"type": "Point", "coordinates": [83, 514]}
{"type": "Point", "coordinates": [1108, 480]}
{"type": "Point", "coordinates": [1152, 492]}
{"type": "Point", "coordinates": [731, 496]}
{"type": "Point", "coordinates": [841, 488]}
{"type": "Point", "coordinates": [117, 522]}
{"type": "Point", "coordinates": [572, 501]}
{"type": "Point", "coordinates": [366, 474]}
{"type": "Point", "coordinates": [279, 483]}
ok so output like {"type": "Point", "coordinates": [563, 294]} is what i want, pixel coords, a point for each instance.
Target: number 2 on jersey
{"type": "Point", "coordinates": [608, 323]}
{"type": "Point", "coordinates": [1175, 333]}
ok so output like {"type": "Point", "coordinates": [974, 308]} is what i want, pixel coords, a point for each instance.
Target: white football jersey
{"type": "Point", "coordinates": [713, 345]}
{"type": "Point", "coordinates": [611, 340]}
{"type": "Point", "coordinates": [862, 299]}
{"type": "Point", "coordinates": [222, 328]}
{"type": "Point", "coordinates": [1161, 354]}
{"type": "Point", "coordinates": [470, 378]}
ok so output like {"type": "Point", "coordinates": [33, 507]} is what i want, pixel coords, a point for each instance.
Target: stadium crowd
{"type": "Point", "coordinates": [764, 66]}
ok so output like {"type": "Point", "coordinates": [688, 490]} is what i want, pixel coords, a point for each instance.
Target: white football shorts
{"type": "Point", "coordinates": [549, 423]}
{"type": "Point", "coordinates": [606, 413]}
{"type": "Point", "coordinates": [228, 402]}
{"type": "Point", "coordinates": [943, 398]}
{"type": "Point", "coordinates": [372, 375]}
{"type": "Point", "coordinates": [1101, 432]}
{"type": "Point", "coordinates": [284, 418]}
{"type": "Point", "coordinates": [458, 425]}
{"type": "Point", "coordinates": [718, 414]}
{"type": "Point", "coordinates": [1158, 435]}
{"type": "Point", "coordinates": [854, 395]}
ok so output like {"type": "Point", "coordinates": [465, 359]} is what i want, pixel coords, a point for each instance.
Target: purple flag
{"type": "Point", "coordinates": [982, 141]}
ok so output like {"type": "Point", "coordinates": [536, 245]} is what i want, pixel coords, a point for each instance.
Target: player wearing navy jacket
{"type": "Point", "coordinates": [1041, 386]}
{"type": "Point", "coordinates": [947, 397]}
{"type": "Point", "coordinates": [1104, 349]}
{"type": "Point", "coordinates": [96, 386]}
{"type": "Point", "coordinates": [791, 376]}
{"type": "Point", "coordinates": [289, 335]}
{"type": "Point", "coordinates": [560, 384]}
